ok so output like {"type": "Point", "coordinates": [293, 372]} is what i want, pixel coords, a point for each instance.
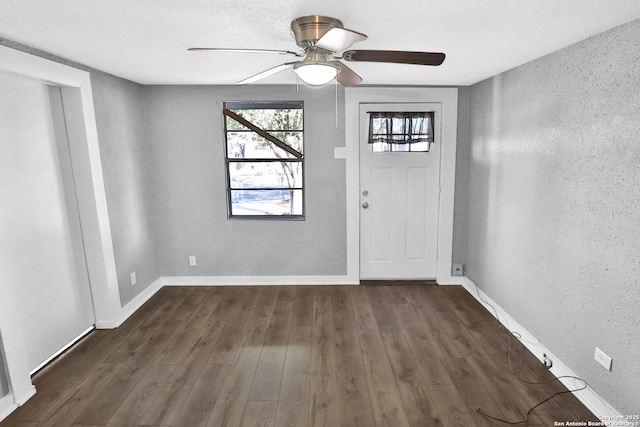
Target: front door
{"type": "Point", "coordinates": [398, 203]}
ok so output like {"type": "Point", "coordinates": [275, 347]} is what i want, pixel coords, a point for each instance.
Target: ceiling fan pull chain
{"type": "Point", "coordinates": [336, 86]}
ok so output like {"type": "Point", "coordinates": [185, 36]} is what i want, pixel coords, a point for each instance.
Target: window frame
{"type": "Point", "coordinates": [295, 159]}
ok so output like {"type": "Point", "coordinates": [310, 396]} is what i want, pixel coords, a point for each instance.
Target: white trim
{"type": "Point", "coordinates": [8, 403]}
{"type": "Point", "coordinates": [25, 66]}
{"type": "Point", "coordinates": [7, 406]}
{"type": "Point", "coordinates": [448, 97]}
{"type": "Point", "coordinates": [454, 280]}
{"type": "Point", "coordinates": [62, 350]}
{"type": "Point", "coordinates": [77, 96]}
{"type": "Point", "coordinates": [22, 399]}
{"type": "Point", "coordinates": [132, 306]}
{"type": "Point", "coordinates": [92, 199]}
{"type": "Point", "coordinates": [85, 152]}
{"type": "Point", "coordinates": [589, 397]}
{"type": "Point", "coordinates": [256, 280]}
{"type": "Point", "coordinates": [13, 347]}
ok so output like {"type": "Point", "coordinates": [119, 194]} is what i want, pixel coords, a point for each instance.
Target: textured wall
{"type": "Point", "coordinates": [125, 162]}
{"type": "Point", "coordinates": [187, 160]}
{"type": "Point", "coordinates": [462, 170]}
{"type": "Point", "coordinates": [554, 203]}
{"type": "Point", "coordinates": [122, 138]}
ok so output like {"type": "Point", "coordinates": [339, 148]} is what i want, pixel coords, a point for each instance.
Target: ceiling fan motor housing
{"type": "Point", "coordinates": [307, 30]}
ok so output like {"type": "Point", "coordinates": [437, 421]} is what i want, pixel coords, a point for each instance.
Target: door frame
{"type": "Point", "coordinates": [431, 161]}
{"type": "Point", "coordinates": [77, 98]}
{"type": "Point", "coordinates": [448, 98]}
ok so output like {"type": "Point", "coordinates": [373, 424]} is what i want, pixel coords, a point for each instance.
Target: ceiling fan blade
{"type": "Point", "coordinates": [339, 39]}
{"type": "Point", "coordinates": [346, 76]}
{"type": "Point", "coordinates": [394, 56]}
{"type": "Point", "coordinates": [266, 73]}
{"type": "Point", "coordinates": [224, 49]}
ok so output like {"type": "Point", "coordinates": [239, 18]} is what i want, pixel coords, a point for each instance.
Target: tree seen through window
{"type": "Point", "coordinates": [264, 158]}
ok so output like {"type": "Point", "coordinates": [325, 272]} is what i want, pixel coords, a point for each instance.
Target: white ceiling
{"type": "Point", "coordinates": [146, 40]}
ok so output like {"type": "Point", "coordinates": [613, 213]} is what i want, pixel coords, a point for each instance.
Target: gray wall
{"type": "Point", "coordinates": [123, 149]}
{"type": "Point", "coordinates": [185, 133]}
{"type": "Point", "coordinates": [462, 169]}
{"type": "Point", "coordinates": [554, 200]}
{"type": "Point", "coordinates": [120, 120]}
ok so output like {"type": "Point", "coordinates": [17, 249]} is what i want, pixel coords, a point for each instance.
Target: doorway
{"type": "Point", "coordinates": [77, 96]}
{"type": "Point", "coordinates": [41, 242]}
{"type": "Point", "coordinates": [399, 200]}
{"type": "Point", "coordinates": [447, 99]}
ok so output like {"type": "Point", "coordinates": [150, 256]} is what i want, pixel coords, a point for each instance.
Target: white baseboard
{"type": "Point", "coordinates": [7, 406]}
{"type": "Point", "coordinates": [450, 280]}
{"type": "Point", "coordinates": [255, 280]}
{"type": "Point", "coordinates": [21, 400]}
{"type": "Point", "coordinates": [62, 350]}
{"type": "Point", "coordinates": [145, 295]}
{"type": "Point", "coordinates": [10, 403]}
{"type": "Point", "coordinates": [132, 306]}
{"type": "Point", "coordinates": [589, 397]}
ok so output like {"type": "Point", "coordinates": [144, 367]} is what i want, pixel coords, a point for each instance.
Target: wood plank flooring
{"type": "Point", "coordinates": [354, 356]}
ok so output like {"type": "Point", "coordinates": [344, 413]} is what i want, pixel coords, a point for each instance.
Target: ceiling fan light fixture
{"type": "Point", "coordinates": [316, 73]}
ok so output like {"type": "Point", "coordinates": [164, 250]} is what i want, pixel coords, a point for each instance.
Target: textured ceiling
{"type": "Point", "coordinates": [146, 40]}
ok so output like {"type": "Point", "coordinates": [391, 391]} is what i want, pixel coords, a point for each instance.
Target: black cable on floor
{"type": "Point", "coordinates": [513, 334]}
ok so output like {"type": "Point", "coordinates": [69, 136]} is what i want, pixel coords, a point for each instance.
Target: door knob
{"type": "Point", "coordinates": [365, 205]}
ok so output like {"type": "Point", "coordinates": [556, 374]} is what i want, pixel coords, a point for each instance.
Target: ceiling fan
{"type": "Point", "coordinates": [321, 38]}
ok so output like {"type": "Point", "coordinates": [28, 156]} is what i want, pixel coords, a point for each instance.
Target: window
{"type": "Point", "coordinates": [264, 159]}
{"type": "Point", "coordinates": [401, 131]}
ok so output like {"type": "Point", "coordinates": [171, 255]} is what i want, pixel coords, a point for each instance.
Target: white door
{"type": "Point", "coordinates": [41, 248]}
{"type": "Point", "coordinates": [398, 204]}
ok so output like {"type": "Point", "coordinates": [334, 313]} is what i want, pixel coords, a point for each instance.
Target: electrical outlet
{"type": "Point", "coordinates": [457, 269]}
{"type": "Point", "coordinates": [133, 278]}
{"type": "Point", "coordinates": [602, 358]}
{"type": "Point", "coordinates": [192, 260]}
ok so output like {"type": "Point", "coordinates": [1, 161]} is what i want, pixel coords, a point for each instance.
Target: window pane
{"type": "Point", "coordinates": [420, 146]}
{"type": "Point", "coordinates": [249, 145]}
{"type": "Point", "coordinates": [277, 120]}
{"type": "Point", "coordinates": [380, 147]}
{"type": "Point", "coordinates": [292, 139]}
{"type": "Point", "coordinates": [266, 202]}
{"type": "Point", "coordinates": [265, 174]}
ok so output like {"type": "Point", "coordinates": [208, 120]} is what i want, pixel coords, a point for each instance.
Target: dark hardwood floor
{"type": "Point", "coordinates": [385, 355]}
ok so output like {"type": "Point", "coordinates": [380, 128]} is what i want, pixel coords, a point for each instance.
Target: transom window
{"type": "Point", "coordinates": [265, 159]}
{"type": "Point", "coordinates": [401, 131]}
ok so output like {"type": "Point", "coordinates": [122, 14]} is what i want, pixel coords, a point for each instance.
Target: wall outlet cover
{"type": "Point", "coordinates": [602, 358]}
{"type": "Point", "coordinates": [457, 269]}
